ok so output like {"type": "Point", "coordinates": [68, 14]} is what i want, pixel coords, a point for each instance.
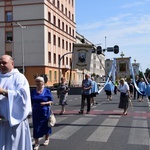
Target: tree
{"type": "Point", "coordinates": [147, 73]}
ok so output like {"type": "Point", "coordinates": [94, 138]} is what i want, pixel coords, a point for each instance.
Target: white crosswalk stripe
{"type": "Point", "coordinates": [102, 133]}
{"type": "Point", "coordinates": [69, 130]}
{"type": "Point", "coordinates": [139, 133]}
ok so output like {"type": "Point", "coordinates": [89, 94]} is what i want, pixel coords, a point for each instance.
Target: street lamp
{"type": "Point", "coordinates": [22, 44]}
{"type": "Point", "coordinates": [59, 64]}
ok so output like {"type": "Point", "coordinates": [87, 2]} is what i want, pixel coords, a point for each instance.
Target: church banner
{"type": "Point", "coordinates": [82, 56]}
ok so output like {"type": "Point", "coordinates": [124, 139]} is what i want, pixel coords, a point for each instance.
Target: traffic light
{"type": "Point", "coordinates": [116, 49]}
{"type": "Point", "coordinates": [99, 50]}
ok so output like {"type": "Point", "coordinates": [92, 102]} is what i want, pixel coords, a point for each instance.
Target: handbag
{"type": "Point", "coordinates": [51, 120]}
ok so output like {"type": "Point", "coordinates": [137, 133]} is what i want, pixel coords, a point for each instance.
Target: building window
{"type": "Point", "coordinates": [62, 8]}
{"type": "Point", "coordinates": [69, 15]}
{"type": "Point", "coordinates": [59, 23]}
{"type": "Point", "coordinates": [9, 53]}
{"type": "Point", "coordinates": [70, 62]}
{"type": "Point", "coordinates": [55, 75]}
{"type": "Point", "coordinates": [66, 11]}
{"type": "Point", "coordinates": [53, 2]}
{"type": "Point", "coordinates": [54, 39]}
{"type": "Point", "coordinates": [66, 45]}
{"type": "Point", "coordinates": [50, 75]}
{"type": "Point", "coordinates": [72, 17]}
{"type": "Point", "coordinates": [58, 4]}
{"type": "Point", "coordinates": [9, 36]}
{"type": "Point", "coordinates": [70, 30]}
{"type": "Point", "coordinates": [62, 25]}
{"type": "Point", "coordinates": [66, 28]}
{"type": "Point", "coordinates": [58, 58]}
{"type": "Point", "coordinates": [63, 61]}
{"type": "Point", "coordinates": [8, 16]}
{"type": "Point", "coordinates": [67, 75]}
{"type": "Point", "coordinates": [58, 41]}
{"type": "Point", "coordinates": [49, 16]}
{"type": "Point", "coordinates": [49, 57]}
{"type": "Point", "coordinates": [54, 58]}
{"type": "Point", "coordinates": [73, 33]}
{"type": "Point", "coordinates": [62, 43]}
{"type": "Point", "coordinates": [54, 20]}
{"type": "Point", "coordinates": [66, 60]}
{"type": "Point", "coordinates": [49, 37]}
{"type": "Point", "coordinates": [70, 47]}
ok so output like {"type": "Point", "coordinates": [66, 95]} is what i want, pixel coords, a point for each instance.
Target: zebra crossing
{"type": "Point", "coordinates": [101, 126]}
{"type": "Point", "coordinates": [138, 134]}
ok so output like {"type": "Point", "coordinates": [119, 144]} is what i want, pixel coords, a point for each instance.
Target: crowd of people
{"type": "Point", "coordinates": [18, 103]}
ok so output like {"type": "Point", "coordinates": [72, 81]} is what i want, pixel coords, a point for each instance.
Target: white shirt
{"type": "Point", "coordinates": [124, 88]}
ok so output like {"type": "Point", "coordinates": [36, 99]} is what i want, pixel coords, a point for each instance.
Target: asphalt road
{"type": "Point", "coordinates": [105, 128]}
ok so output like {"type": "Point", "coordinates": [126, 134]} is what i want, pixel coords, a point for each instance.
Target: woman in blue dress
{"type": "Point", "coordinates": [41, 101]}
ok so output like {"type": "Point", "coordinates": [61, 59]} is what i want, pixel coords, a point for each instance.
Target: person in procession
{"type": "Point", "coordinates": [131, 87]}
{"type": "Point", "coordinates": [115, 87]}
{"type": "Point", "coordinates": [136, 93]}
{"type": "Point", "coordinates": [94, 91]}
{"type": "Point", "coordinates": [124, 90]}
{"type": "Point", "coordinates": [142, 89]}
{"type": "Point", "coordinates": [148, 90]}
{"type": "Point", "coordinates": [15, 107]}
{"type": "Point", "coordinates": [42, 100]}
{"type": "Point", "coordinates": [109, 87]}
{"type": "Point", "coordinates": [62, 93]}
{"type": "Point", "coordinates": [86, 94]}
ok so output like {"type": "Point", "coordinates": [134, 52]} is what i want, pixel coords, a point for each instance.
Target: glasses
{"type": "Point", "coordinates": [3, 63]}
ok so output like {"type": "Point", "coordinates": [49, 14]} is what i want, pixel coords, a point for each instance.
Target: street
{"type": "Point", "coordinates": [105, 128]}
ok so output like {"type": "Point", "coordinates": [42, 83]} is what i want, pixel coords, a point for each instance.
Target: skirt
{"type": "Point", "coordinates": [124, 102]}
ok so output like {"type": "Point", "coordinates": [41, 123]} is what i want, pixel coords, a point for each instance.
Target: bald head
{"type": "Point", "coordinates": [6, 64]}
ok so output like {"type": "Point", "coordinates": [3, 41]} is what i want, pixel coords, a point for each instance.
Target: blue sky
{"type": "Point", "coordinates": [123, 22]}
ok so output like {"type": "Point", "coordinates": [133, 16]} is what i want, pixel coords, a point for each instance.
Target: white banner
{"type": "Point", "coordinates": [82, 56]}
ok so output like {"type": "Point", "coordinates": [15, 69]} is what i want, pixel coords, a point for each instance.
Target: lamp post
{"type": "Point", "coordinates": [59, 64]}
{"type": "Point", "coordinates": [22, 44]}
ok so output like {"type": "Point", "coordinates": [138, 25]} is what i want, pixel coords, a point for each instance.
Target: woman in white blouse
{"type": "Point", "coordinates": [123, 88]}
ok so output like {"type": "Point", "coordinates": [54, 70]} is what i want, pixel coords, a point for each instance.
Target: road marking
{"type": "Point", "coordinates": [102, 133]}
{"type": "Point", "coordinates": [139, 133]}
{"type": "Point", "coordinates": [69, 130]}
{"type": "Point", "coordinates": [140, 117]}
{"type": "Point", "coordinates": [59, 119]}
{"type": "Point", "coordinates": [114, 116]}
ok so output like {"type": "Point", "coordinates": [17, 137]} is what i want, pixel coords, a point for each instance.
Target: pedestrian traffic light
{"type": "Point", "coordinates": [116, 49]}
{"type": "Point", "coordinates": [99, 50]}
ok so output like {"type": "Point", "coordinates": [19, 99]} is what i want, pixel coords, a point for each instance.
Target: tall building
{"type": "Point", "coordinates": [38, 34]}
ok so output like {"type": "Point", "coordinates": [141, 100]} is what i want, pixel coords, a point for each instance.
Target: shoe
{"type": "Point", "coordinates": [80, 112]}
{"type": "Point", "coordinates": [87, 112]}
{"type": "Point", "coordinates": [62, 112]}
{"type": "Point", "coordinates": [125, 114]}
{"type": "Point", "coordinates": [36, 147]}
{"type": "Point", "coordinates": [46, 142]}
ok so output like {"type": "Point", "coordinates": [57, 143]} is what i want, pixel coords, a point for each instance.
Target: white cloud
{"type": "Point", "coordinates": [135, 4]}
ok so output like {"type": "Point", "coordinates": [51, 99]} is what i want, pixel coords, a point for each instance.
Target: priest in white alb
{"type": "Point", "coordinates": [15, 106]}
